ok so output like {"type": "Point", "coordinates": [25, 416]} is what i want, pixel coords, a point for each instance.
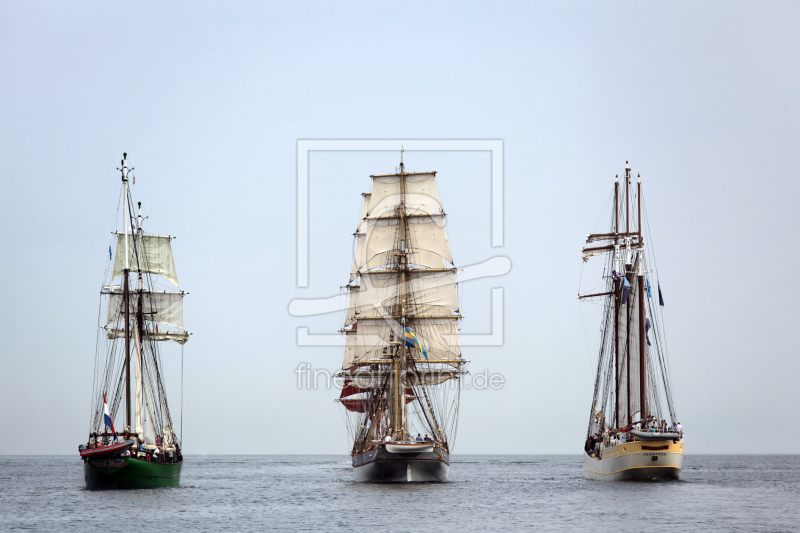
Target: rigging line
{"type": "Point", "coordinates": [583, 321]}
{"type": "Point", "coordinates": [96, 347]}
{"type": "Point", "coordinates": [100, 305]}
{"type": "Point", "coordinates": [662, 321]}
{"type": "Point", "coordinates": [586, 336]}
{"type": "Point", "coordinates": [655, 264]}
{"type": "Point", "coordinates": [181, 393]}
{"type": "Point", "coordinates": [606, 205]}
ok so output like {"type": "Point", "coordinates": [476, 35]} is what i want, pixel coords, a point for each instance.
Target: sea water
{"type": "Point", "coordinates": [485, 493]}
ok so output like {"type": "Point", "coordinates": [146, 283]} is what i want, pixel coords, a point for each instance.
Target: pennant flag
{"type": "Point", "coordinates": [647, 325]}
{"type": "Point", "coordinates": [660, 298]}
{"type": "Point", "coordinates": [601, 326]}
{"type": "Point", "coordinates": [109, 422]}
{"type": "Point", "coordinates": [626, 291]}
{"type": "Point", "coordinates": [649, 294]}
{"type": "Point", "coordinates": [413, 342]}
{"type": "Point", "coordinates": [109, 253]}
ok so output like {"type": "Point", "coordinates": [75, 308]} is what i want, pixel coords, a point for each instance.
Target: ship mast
{"type": "Point", "coordinates": [616, 303]}
{"type": "Point", "coordinates": [139, 337]}
{"type": "Point", "coordinates": [627, 275]}
{"type": "Point", "coordinates": [642, 374]}
{"type": "Point", "coordinates": [126, 297]}
{"type": "Point", "coordinates": [629, 291]}
{"type": "Point", "coordinates": [400, 358]}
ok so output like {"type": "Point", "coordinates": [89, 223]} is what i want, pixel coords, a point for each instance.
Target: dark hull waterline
{"type": "Point", "coordinates": [380, 466]}
{"type": "Point", "coordinates": [129, 473]}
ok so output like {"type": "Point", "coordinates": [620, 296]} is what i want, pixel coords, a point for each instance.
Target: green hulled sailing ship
{"type": "Point", "coordinates": [129, 389]}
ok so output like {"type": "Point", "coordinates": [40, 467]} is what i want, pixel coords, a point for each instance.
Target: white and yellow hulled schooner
{"type": "Point", "coordinates": [627, 437]}
{"type": "Point", "coordinates": [402, 359]}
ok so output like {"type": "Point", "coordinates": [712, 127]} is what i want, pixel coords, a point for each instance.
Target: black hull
{"type": "Point", "coordinates": [651, 474]}
{"type": "Point", "coordinates": [380, 466]}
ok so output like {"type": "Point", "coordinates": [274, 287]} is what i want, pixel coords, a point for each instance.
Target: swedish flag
{"type": "Point", "coordinates": [413, 342]}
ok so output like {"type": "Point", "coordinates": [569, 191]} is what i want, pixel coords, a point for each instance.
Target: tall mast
{"type": "Point", "coordinates": [400, 390]}
{"type": "Point", "coordinates": [126, 297]}
{"type": "Point", "coordinates": [616, 304]}
{"type": "Point", "coordinates": [627, 197]}
{"type": "Point", "coordinates": [140, 333]}
{"type": "Point", "coordinates": [627, 275]}
{"type": "Point", "coordinates": [642, 374]}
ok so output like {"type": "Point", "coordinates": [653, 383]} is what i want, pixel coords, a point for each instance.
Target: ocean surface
{"type": "Point", "coordinates": [485, 493]}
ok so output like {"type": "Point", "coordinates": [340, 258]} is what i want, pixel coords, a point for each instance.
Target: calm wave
{"type": "Point", "coordinates": [486, 493]}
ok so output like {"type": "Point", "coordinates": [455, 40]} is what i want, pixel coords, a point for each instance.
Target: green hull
{"type": "Point", "coordinates": [129, 473]}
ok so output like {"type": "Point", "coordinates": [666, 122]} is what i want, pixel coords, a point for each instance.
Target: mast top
{"type": "Point", "coordinates": [401, 158]}
{"type": "Point", "coordinates": [124, 170]}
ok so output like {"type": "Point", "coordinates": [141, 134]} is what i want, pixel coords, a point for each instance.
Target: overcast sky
{"type": "Point", "coordinates": [209, 101]}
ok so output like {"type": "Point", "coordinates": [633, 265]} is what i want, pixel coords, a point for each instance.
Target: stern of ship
{"type": "Point", "coordinates": [652, 460]}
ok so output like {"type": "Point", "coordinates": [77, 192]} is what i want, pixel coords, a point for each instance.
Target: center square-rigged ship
{"type": "Point", "coordinates": [627, 438]}
{"type": "Point", "coordinates": [402, 358]}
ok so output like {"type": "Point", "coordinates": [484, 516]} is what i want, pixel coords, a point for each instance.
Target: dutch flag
{"type": "Point", "coordinates": [109, 422]}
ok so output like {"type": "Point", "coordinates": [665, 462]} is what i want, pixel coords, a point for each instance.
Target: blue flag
{"type": "Point", "coordinates": [413, 342]}
{"type": "Point", "coordinates": [109, 253]}
{"type": "Point", "coordinates": [649, 294]}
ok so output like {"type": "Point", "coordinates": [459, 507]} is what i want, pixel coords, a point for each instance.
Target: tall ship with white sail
{"type": "Point", "coordinates": [132, 440]}
{"type": "Point", "coordinates": [402, 360]}
{"type": "Point", "coordinates": [633, 429]}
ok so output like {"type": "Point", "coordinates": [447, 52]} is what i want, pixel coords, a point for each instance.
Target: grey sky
{"type": "Point", "coordinates": [209, 101]}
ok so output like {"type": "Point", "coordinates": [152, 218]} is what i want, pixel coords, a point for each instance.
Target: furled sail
{"type": "Point", "coordinates": [153, 254]}
{"type": "Point", "coordinates": [371, 379]}
{"type": "Point", "coordinates": [181, 337]}
{"type": "Point", "coordinates": [628, 335]}
{"type": "Point", "coordinates": [157, 306]}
